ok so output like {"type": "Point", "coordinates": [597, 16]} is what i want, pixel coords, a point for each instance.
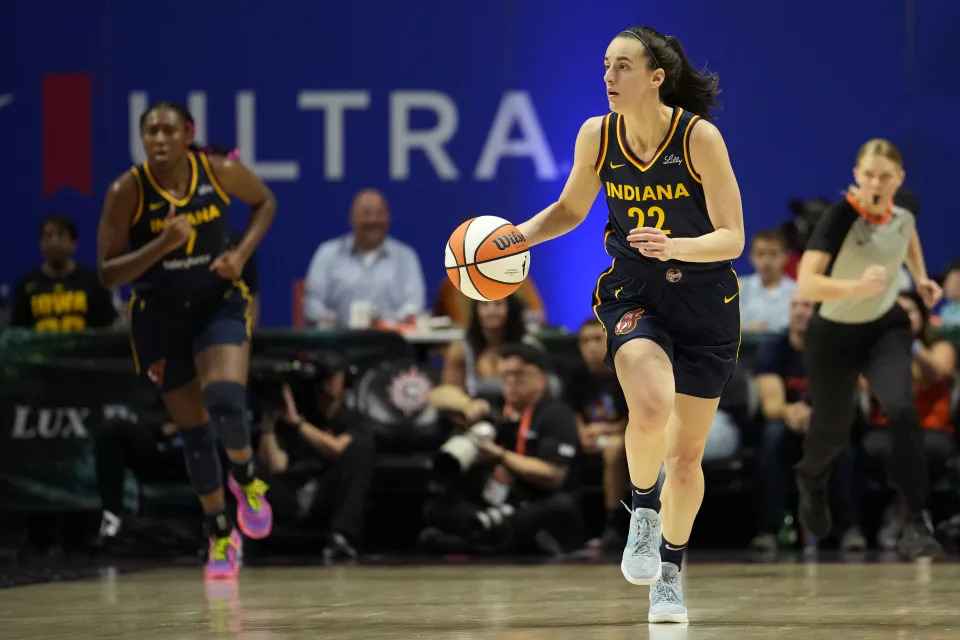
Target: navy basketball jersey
{"type": "Point", "coordinates": [184, 271]}
{"type": "Point", "coordinates": [665, 192]}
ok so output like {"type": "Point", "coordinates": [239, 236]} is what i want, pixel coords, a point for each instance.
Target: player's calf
{"type": "Point", "coordinates": [227, 404]}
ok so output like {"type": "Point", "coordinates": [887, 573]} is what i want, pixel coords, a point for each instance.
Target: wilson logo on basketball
{"type": "Point", "coordinates": [628, 321]}
{"type": "Point", "coordinates": [508, 240]}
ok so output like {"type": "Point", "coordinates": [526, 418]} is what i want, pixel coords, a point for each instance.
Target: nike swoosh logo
{"type": "Point", "coordinates": [617, 166]}
{"type": "Point", "coordinates": [157, 205]}
{"type": "Point", "coordinates": [671, 548]}
{"type": "Point", "coordinates": [725, 300]}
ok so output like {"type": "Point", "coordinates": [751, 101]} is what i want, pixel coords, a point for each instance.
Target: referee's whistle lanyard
{"type": "Point", "coordinates": [500, 472]}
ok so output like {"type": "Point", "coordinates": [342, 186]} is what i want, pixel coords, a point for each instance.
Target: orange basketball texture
{"type": "Point", "coordinates": [487, 258]}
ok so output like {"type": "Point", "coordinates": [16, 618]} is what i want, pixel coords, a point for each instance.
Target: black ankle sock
{"type": "Point", "coordinates": [243, 472]}
{"type": "Point", "coordinates": [645, 498]}
{"type": "Point", "coordinates": [672, 552]}
{"type": "Point", "coordinates": [217, 524]}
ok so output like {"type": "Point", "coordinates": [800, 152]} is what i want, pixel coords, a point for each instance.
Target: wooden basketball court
{"type": "Point", "coordinates": [793, 601]}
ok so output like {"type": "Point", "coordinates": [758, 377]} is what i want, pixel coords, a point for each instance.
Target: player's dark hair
{"type": "Point", "coordinates": [62, 222]}
{"type": "Point", "coordinates": [683, 85]}
{"type": "Point", "coordinates": [184, 114]}
{"type": "Point", "coordinates": [514, 328]}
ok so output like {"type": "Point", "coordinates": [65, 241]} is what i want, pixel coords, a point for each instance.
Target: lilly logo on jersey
{"type": "Point", "coordinates": [628, 321]}
{"type": "Point", "coordinates": [673, 159]}
{"type": "Point", "coordinates": [649, 192]}
{"type": "Point", "coordinates": [508, 240]}
{"type": "Point", "coordinates": [197, 218]}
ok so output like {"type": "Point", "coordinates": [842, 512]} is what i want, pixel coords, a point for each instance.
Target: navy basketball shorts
{"type": "Point", "coordinates": [693, 315]}
{"type": "Point", "coordinates": [166, 333]}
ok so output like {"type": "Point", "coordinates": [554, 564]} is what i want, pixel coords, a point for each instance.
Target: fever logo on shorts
{"type": "Point", "coordinates": [628, 321]}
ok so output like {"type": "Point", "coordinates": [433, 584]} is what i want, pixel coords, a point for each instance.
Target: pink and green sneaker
{"type": "Point", "coordinates": [224, 557]}
{"type": "Point", "coordinates": [254, 514]}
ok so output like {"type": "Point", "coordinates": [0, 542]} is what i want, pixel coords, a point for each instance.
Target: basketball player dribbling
{"type": "Point", "coordinates": [668, 303]}
{"type": "Point", "coordinates": [164, 229]}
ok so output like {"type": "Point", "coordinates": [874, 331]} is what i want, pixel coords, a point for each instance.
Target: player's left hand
{"type": "Point", "coordinates": [930, 292]}
{"type": "Point", "coordinates": [651, 242]}
{"type": "Point", "coordinates": [228, 265]}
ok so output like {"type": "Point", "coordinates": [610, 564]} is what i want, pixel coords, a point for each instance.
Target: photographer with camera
{"type": "Point", "coordinates": [500, 482]}
{"type": "Point", "coordinates": [320, 462]}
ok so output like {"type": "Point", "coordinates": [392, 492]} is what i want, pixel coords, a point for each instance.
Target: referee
{"type": "Point", "coordinates": [850, 266]}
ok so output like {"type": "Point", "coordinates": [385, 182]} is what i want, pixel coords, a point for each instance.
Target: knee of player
{"type": "Point", "coordinates": [683, 464]}
{"type": "Point", "coordinates": [225, 397]}
{"type": "Point", "coordinates": [649, 411]}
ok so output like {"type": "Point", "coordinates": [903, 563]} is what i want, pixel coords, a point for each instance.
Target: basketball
{"type": "Point", "coordinates": [487, 258]}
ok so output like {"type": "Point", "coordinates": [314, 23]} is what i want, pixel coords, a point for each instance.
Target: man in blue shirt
{"type": "Point", "coordinates": [765, 295]}
{"type": "Point", "coordinates": [365, 275]}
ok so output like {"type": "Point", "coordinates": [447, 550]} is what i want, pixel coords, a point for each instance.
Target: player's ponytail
{"type": "Point", "coordinates": [189, 123]}
{"type": "Point", "coordinates": [683, 85]}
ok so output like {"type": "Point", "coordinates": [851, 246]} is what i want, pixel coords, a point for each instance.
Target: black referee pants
{"type": "Point", "coordinates": [834, 356]}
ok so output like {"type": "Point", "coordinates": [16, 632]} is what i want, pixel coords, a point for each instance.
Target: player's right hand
{"type": "Point", "coordinates": [177, 231]}
{"type": "Point", "coordinates": [873, 281]}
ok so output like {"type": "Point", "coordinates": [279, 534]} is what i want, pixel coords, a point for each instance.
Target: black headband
{"type": "Point", "coordinates": [656, 64]}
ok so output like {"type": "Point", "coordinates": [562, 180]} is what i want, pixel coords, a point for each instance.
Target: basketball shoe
{"type": "Point", "coordinates": [641, 557]}
{"type": "Point", "coordinates": [224, 557]}
{"type": "Point", "coordinates": [666, 597]}
{"type": "Point", "coordinates": [254, 514]}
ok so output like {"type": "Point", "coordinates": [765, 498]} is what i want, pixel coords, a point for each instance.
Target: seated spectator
{"type": "Point", "coordinates": [934, 367]}
{"type": "Point", "coordinates": [765, 295]}
{"type": "Point", "coordinates": [471, 366]}
{"type": "Point", "coordinates": [320, 465]}
{"type": "Point", "coordinates": [61, 296]}
{"type": "Point", "coordinates": [950, 310]}
{"type": "Point", "coordinates": [512, 499]}
{"type": "Point", "coordinates": [458, 307]}
{"type": "Point", "coordinates": [594, 394]}
{"type": "Point", "coordinates": [364, 276]}
{"type": "Point", "coordinates": [785, 405]}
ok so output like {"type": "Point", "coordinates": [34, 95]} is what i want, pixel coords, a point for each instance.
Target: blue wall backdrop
{"type": "Point", "coordinates": [500, 87]}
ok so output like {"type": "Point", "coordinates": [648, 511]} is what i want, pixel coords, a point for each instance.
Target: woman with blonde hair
{"type": "Point", "coordinates": [850, 266]}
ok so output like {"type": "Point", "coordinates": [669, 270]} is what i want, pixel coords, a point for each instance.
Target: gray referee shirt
{"type": "Point", "coordinates": [855, 243]}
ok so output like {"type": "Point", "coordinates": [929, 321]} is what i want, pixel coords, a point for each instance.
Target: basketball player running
{"type": "Point", "coordinates": [675, 223]}
{"type": "Point", "coordinates": [164, 229]}
{"type": "Point", "coordinates": [850, 265]}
